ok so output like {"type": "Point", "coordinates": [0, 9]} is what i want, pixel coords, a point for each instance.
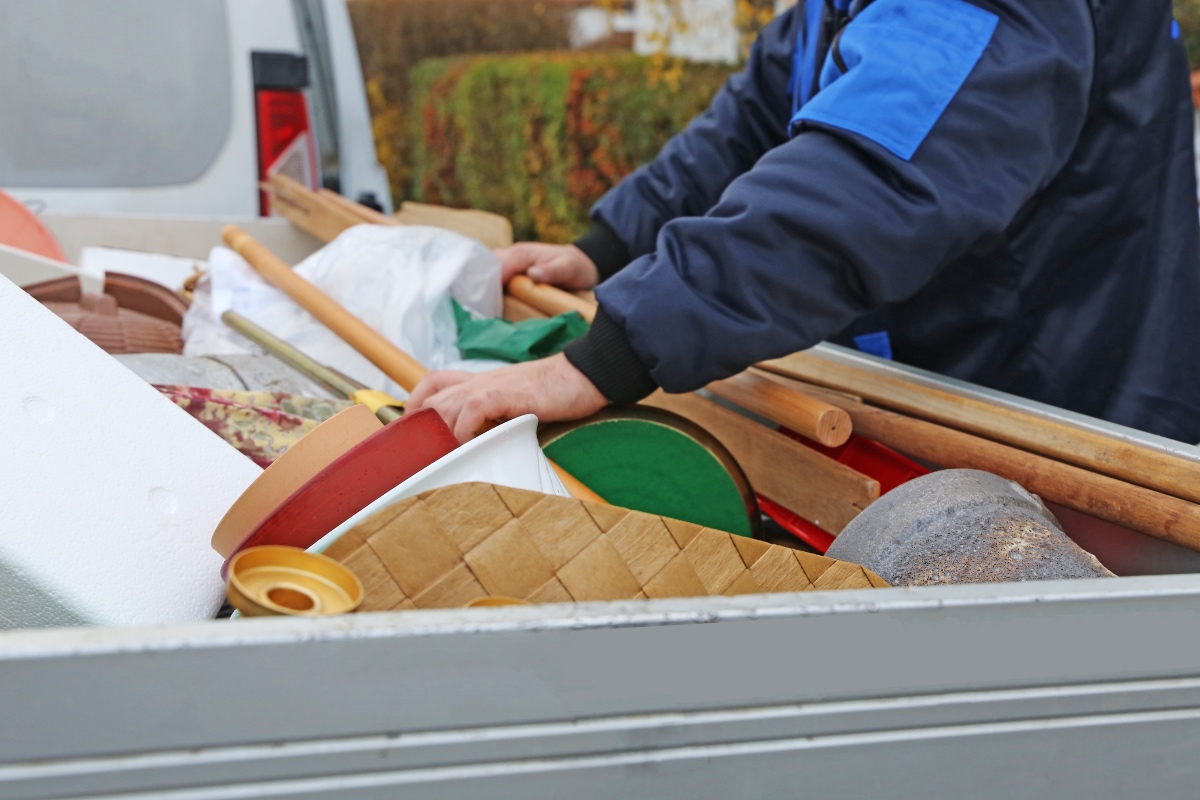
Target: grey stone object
{"type": "Point", "coordinates": [962, 526]}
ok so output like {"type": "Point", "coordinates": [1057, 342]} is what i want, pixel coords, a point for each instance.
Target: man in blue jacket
{"type": "Point", "coordinates": [998, 190]}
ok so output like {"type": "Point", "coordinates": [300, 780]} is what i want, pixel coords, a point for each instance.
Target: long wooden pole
{"type": "Point", "coordinates": [395, 363]}
{"type": "Point", "coordinates": [1129, 462]}
{"type": "Point", "coordinates": [1141, 509]}
{"type": "Point", "coordinates": [549, 299]}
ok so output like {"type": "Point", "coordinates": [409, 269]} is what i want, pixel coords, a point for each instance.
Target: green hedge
{"type": "Point", "coordinates": [1188, 14]}
{"type": "Point", "coordinates": [540, 137]}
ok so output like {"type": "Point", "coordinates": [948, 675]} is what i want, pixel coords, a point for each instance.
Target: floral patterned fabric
{"type": "Point", "coordinates": [262, 425]}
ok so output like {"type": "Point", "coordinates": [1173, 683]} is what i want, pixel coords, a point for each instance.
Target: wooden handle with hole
{"type": "Point", "coordinates": [395, 363]}
{"type": "Point", "coordinates": [819, 421]}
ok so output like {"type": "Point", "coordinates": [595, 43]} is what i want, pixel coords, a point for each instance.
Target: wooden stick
{"type": "Point", "coordinates": [549, 299]}
{"type": "Point", "coordinates": [816, 487]}
{"type": "Point", "coordinates": [516, 311]}
{"type": "Point", "coordinates": [1153, 513]}
{"type": "Point", "coordinates": [395, 363]}
{"type": "Point", "coordinates": [823, 422]}
{"type": "Point", "coordinates": [1097, 452]}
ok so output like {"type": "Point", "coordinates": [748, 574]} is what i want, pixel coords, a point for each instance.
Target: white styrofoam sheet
{"type": "Point", "coordinates": [108, 491]}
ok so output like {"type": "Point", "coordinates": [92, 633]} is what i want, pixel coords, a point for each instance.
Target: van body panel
{"type": "Point", "coordinates": [228, 185]}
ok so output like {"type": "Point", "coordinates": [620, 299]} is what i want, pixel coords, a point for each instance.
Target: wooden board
{"type": "Point", "coordinates": [450, 546]}
{"type": "Point", "coordinates": [802, 480]}
{"type": "Point", "coordinates": [326, 214]}
{"type": "Point", "coordinates": [494, 230]}
{"type": "Point", "coordinates": [307, 210]}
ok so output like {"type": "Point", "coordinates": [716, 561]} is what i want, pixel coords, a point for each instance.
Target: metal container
{"type": "Point", "coordinates": [1063, 689]}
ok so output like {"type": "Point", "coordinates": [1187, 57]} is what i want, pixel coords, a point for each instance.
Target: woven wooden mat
{"type": "Point", "coordinates": [448, 547]}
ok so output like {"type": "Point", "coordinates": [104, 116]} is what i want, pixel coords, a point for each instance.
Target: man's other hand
{"type": "Point", "coordinates": [562, 265]}
{"type": "Point", "coordinates": [552, 389]}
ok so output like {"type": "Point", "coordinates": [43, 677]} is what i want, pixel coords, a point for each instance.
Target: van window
{"type": "Point", "coordinates": [120, 93]}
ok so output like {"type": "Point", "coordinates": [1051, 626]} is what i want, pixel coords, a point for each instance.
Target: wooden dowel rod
{"type": "Point", "coordinates": [1153, 513]}
{"type": "Point", "coordinates": [1094, 451]}
{"type": "Point", "coordinates": [395, 363]}
{"type": "Point", "coordinates": [549, 299]}
{"type": "Point", "coordinates": [516, 311]}
{"type": "Point", "coordinates": [819, 421]}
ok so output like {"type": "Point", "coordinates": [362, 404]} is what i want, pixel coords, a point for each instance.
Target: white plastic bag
{"type": "Point", "coordinates": [397, 280]}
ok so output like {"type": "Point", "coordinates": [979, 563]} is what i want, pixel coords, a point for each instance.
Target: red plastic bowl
{"type": "Point", "coordinates": [374, 466]}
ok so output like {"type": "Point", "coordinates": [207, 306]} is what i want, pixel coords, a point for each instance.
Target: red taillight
{"type": "Point", "coordinates": [285, 141]}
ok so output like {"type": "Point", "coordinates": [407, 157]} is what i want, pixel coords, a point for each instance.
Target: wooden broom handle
{"type": "Point", "coordinates": [825, 423]}
{"type": "Point", "coordinates": [1153, 513]}
{"type": "Point", "coordinates": [395, 363]}
{"type": "Point", "coordinates": [549, 299]}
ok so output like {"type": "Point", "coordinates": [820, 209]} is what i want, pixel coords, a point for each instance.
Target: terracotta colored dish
{"type": "Point", "coordinates": [118, 330]}
{"type": "Point", "coordinates": [297, 466]}
{"type": "Point", "coordinates": [374, 466]}
{"type": "Point", "coordinates": [131, 292]}
{"type": "Point", "coordinates": [132, 316]}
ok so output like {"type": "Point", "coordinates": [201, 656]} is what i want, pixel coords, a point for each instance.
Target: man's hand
{"type": "Point", "coordinates": [563, 265]}
{"type": "Point", "coordinates": [551, 388]}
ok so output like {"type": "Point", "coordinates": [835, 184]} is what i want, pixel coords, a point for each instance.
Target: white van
{"type": "Point", "coordinates": [180, 108]}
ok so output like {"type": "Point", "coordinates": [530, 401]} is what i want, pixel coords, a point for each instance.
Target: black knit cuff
{"type": "Point", "coordinates": [606, 359]}
{"type": "Point", "coordinates": [606, 250]}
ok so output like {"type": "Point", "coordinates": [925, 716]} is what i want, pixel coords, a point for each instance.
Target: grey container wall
{"type": "Point", "coordinates": [1059, 690]}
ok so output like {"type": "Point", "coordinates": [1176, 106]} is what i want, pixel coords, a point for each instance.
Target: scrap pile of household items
{"type": "Point", "coordinates": [361, 506]}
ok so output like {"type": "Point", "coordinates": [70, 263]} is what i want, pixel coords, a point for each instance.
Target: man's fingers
{"type": "Point", "coordinates": [515, 260]}
{"type": "Point", "coordinates": [432, 384]}
{"type": "Point", "coordinates": [477, 412]}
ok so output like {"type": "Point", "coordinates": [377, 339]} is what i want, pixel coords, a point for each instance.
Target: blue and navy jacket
{"type": "Point", "coordinates": [1005, 187]}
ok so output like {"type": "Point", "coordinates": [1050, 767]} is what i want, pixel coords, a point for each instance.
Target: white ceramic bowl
{"type": "Point", "coordinates": [506, 456]}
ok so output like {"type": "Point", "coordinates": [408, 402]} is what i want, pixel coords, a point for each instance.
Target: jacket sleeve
{"type": "Point", "coordinates": [848, 215]}
{"type": "Point", "coordinates": [748, 117]}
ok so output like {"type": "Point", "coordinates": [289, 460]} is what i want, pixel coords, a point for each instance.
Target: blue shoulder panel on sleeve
{"type": "Point", "coordinates": [905, 63]}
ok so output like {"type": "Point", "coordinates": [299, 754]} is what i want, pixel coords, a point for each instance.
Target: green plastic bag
{"type": "Point", "coordinates": [528, 340]}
